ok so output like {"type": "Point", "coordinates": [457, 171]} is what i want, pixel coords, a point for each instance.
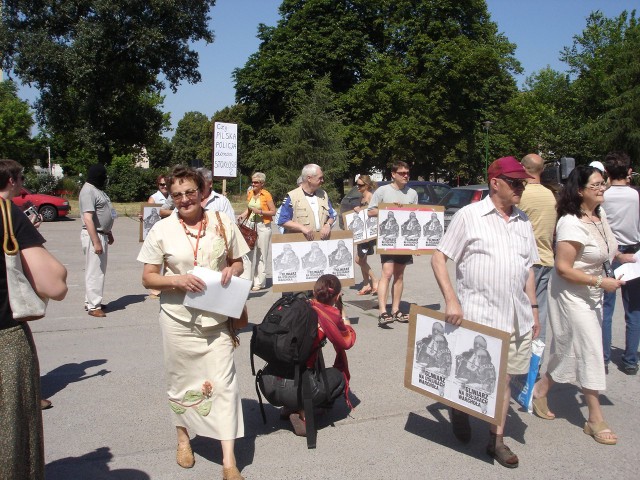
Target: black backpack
{"type": "Point", "coordinates": [285, 340]}
{"type": "Point", "coordinates": [287, 333]}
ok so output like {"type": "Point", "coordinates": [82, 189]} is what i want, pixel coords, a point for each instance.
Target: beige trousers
{"type": "Point", "coordinates": [95, 268]}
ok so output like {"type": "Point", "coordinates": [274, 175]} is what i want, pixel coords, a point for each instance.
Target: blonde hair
{"type": "Point", "coordinates": [370, 184]}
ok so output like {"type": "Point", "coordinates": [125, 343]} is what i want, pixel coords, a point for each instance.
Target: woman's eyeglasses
{"type": "Point", "coordinates": [190, 194]}
{"type": "Point", "coordinates": [597, 186]}
{"type": "Point", "coordinates": [255, 182]}
{"type": "Point", "coordinates": [360, 185]}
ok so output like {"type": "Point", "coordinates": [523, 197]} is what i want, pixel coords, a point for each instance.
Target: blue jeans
{"type": "Point", "coordinates": [542, 275]}
{"type": "Point", "coordinates": [631, 304]}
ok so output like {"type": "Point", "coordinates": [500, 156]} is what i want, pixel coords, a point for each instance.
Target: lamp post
{"type": "Point", "coordinates": [486, 124]}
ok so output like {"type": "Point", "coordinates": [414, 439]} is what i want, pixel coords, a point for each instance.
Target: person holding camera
{"type": "Point", "coordinates": [585, 248]}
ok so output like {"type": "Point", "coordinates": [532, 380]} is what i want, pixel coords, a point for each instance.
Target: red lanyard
{"type": "Point", "coordinates": [203, 224]}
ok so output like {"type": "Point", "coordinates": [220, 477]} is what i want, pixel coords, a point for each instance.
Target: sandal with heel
{"type": "Point", "coordinates": [597, 430]}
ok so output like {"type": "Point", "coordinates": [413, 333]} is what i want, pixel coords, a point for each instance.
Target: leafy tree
{"type": "Point", "coordinates": [604, 60]}
{"type": "Point", "coordinates": [192, 141]}
{"type": "Point", "coordinates": [15, 125]}
{"type": "Point", "coordinates": [128, 183]}
{"type": "Point", "coordinates": [541, 117]}
{"type": "Point", "coordinates": [414, 78]}
{"type": "Point", "coordinates": [160, 153]}
{"type": "Point", "coordinates": [315, 134]}
{"type": "Point", "coordinates": [97, 64]}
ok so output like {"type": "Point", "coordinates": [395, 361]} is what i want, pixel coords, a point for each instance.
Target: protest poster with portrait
{"type": "Point", "coordinates": [363, 227]}
{"type": "Point", "coordinates": [464, 367]}
{"type": "Point", "coordinates": [409, 229]}
{"type": "Point", "coordinates": [297, 262]}
{"type": "Point", "coordinates": [149, 215]}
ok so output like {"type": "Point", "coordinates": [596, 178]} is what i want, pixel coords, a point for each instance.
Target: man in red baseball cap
{"type": "Point", "coordinates": [493, 246]}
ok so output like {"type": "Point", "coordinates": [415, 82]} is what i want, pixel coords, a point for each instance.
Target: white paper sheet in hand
{"type": "Point", "coordinates": [629, 271]}
{"type": "Point", "coordinates": [215, 298]}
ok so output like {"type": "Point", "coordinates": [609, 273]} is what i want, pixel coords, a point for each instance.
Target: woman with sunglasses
{"type": "Point", "coordinates": [260, 212]}
{"type": "Point", "coordinates": [203, 391]}
{"type": "Point", "coordinates": [366, 186]}
{"type": "Point", "coordinates": [585, 248]}
{"type": "Point", "coordinates": [163, 192]}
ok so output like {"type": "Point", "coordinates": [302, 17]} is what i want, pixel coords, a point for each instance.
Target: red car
{"type": "Point", "coordinates": [49, 206]}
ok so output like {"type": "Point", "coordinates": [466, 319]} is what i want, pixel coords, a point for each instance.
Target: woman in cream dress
{"type": "Point", "coordinates": [203, 391]}
{"type": "Point", "coordinates": [585, 245]}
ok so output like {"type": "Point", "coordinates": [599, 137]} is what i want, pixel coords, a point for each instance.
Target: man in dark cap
{"type": "Point", "coordinates": [97, 215]}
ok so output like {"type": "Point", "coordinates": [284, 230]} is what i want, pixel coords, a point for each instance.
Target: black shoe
{"type": "Point", "coordinates": [630, 370]}
{"type": "Point", "coordinates": [460, 425]}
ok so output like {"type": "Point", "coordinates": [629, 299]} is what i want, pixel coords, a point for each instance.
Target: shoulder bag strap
{"type": "Point", "coordinates": [7, 223]}
{"type": "Point", "coordinates": [232, 331]}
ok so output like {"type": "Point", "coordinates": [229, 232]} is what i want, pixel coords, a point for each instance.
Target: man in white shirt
{"type": "Point", "coordinates": [622, 206]}
{"type": "Point", "coordinates": [494, 249]}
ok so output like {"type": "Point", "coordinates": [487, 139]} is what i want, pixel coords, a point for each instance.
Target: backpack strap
{"type": "Point", "coordinates": [264, 415]}
{"type": "Point", "coordinates": [309, 414]}
{"type": "Point", "coordinates": [252, 344]}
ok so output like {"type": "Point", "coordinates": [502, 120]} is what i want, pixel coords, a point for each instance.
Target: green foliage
{"type": "Point", "coordinates": [414, 79]}
{"type": "Point", "coordinates": [192, 142]}
{"type": "Point", "coordinates": [97, 65]}
{"type": "Point", "coordinates": [15, 126]}
{"type": "Point", "coordinates": [128, 183]}
{"type": "Point", "coordinates": [593, 110]}
{"type": "Point", "coordinates": [315, 134]}
{"type": "Point", "coordinates": [41, 183]}
{"type": "Point", "coordinates": [160, 153]}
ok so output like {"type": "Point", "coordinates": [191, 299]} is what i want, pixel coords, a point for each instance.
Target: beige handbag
{"type": "Point", "coordinates": [25, 302]}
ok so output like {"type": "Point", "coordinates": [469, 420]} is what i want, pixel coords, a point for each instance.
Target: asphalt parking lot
{"type": "Point", "coordinates": [110, 419]}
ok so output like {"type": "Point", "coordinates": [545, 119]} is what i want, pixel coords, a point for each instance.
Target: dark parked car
{"type": "Point", "coordinates": [458, 197]}
{"type": "Point", "coordinates": [49, 206]}
{"type": "Point", "coordinates": [429, 193]}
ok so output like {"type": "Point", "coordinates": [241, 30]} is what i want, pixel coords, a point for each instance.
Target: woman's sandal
{"type": "Point", "coordinates": [597, 430]}
{"type": "Point", "coordinates": [384, 318]}
{"type": "Point", "coordinates": [401, 317]}
{"type": "Point", "coordinates": [184, 456]}
{"type": "Point", "coordinates": [541, 409]}
{"type": "Point", "coordinates": [231, 473]}
{"type": "Point", "coordinates": [365, 290]}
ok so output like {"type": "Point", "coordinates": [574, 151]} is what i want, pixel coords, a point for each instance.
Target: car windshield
{"type": "Point", "coordinates": [457, 198]}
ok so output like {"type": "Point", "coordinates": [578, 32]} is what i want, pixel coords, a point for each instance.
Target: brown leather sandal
{"type": "Point", "coordinates": [501, 453]}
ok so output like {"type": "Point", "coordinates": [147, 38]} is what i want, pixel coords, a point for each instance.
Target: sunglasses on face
{"type": "Point", "coordinates": [513, 182]}
{"type": "Point", "coordinates": [162, 184]}
{"type": "Point", "coordinates": [403, 174]}
{"type": "Point", "coordinates": [360, 185]}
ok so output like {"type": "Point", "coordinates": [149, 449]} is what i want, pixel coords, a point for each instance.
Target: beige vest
{"type": "Point", "coordinates": [302, 212]}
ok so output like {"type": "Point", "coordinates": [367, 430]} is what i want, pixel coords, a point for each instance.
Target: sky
{"type": "Point", "coordinates": [539, 28]}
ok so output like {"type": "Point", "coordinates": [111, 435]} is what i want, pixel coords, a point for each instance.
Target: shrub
{"type": "Point", "coordinates": [128, 183]}
{"type": "Point", "coordinates": [41, 183]}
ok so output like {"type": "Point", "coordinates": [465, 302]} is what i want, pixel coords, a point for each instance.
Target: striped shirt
{"type": "Point", "coordinates": [493, 259]}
